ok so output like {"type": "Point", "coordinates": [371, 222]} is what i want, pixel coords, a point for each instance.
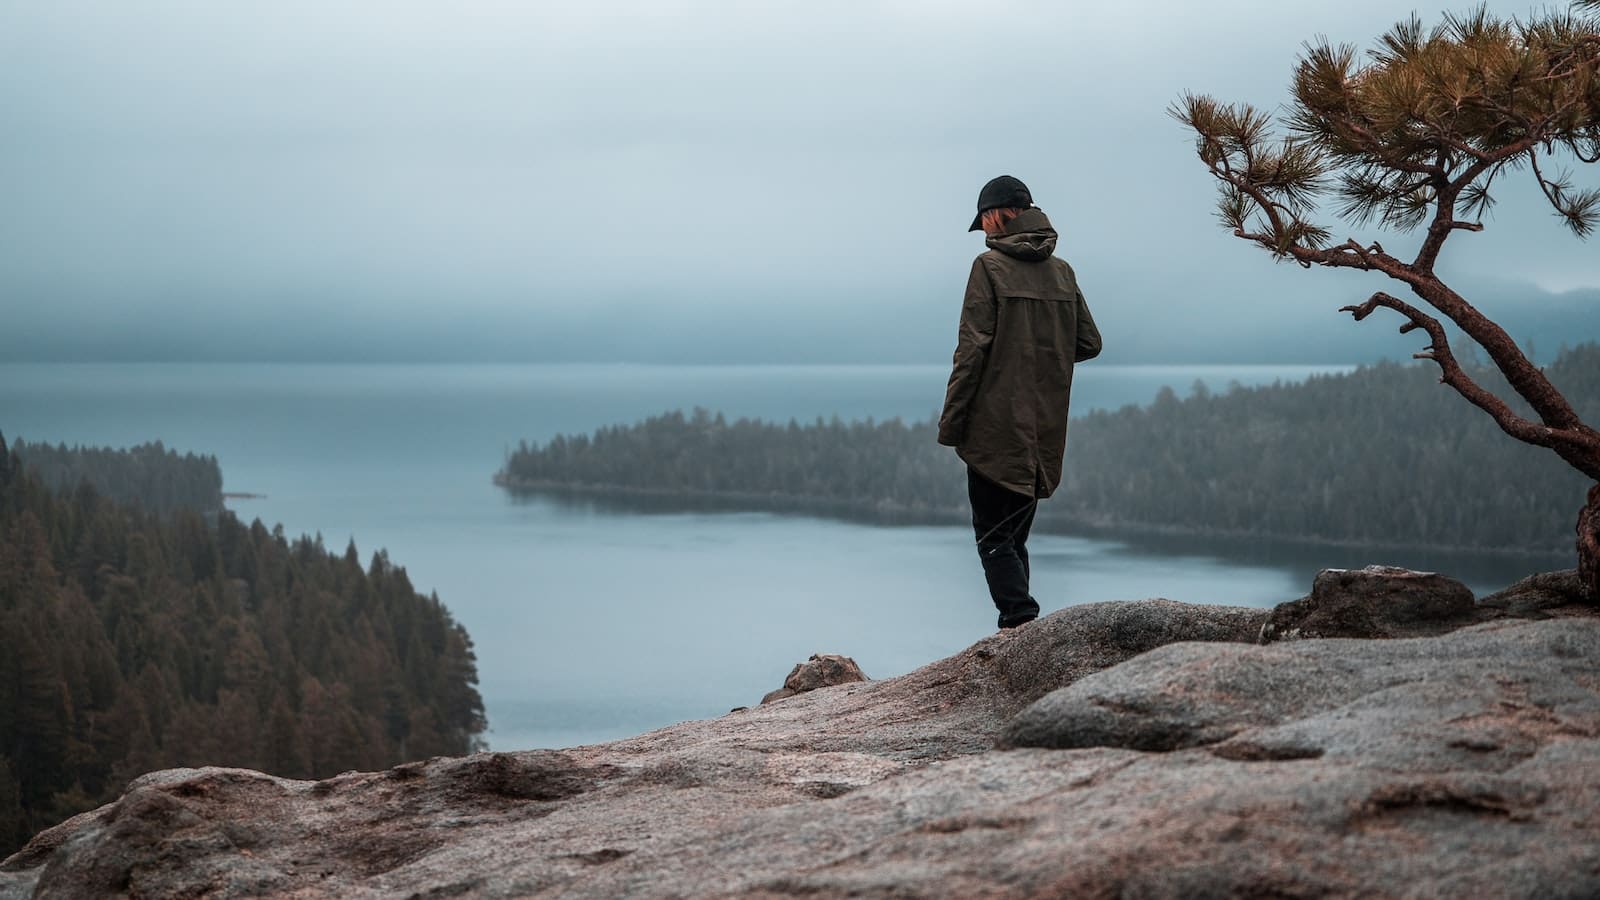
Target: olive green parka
{"type": "Point", "coordinates": [1024, 324]}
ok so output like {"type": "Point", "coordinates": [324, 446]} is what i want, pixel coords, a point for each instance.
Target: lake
{"type": "Point", "coordinates": [591, 623]}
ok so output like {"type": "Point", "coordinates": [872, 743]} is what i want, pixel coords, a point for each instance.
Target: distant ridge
{"type": "Point", "coordinates": [1380, 456]}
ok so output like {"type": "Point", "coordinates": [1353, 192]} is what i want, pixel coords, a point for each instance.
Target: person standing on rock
{"type": "Point", "coordinates": [1024, 325]}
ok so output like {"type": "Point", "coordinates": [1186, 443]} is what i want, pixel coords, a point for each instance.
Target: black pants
{"type": "Point", "coordinates": [1001, 520]}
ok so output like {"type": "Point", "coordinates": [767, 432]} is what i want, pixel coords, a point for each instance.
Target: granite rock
{"type": "Point", "coordinates": [1374, 602]}
{"type": "Point", "coordinates": [1545, 595]}
{"type": "Point", "coordinates": [820, 671]}
{"type": "Point", "coordinates": [1461, 765]}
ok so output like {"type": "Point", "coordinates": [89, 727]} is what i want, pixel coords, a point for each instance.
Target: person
{"type": "Point", "coordinates": [1024, 325]}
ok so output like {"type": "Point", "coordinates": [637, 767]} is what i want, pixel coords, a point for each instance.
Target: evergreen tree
{"type": "Point", "coordinates": [1368, 457]}
{"type": "Point", "coordinates": [136, 642]}
{"type": "Point", "coordinates": [1414, 137]}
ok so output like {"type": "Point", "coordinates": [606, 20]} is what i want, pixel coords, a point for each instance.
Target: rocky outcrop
{"type": "Point", "coordinates": [1399, 703]}
{"type": "Point", "coordinates": [1375, 602]}
{"type": "Point", "coordinates": [1200, 765]}
{"type": "Point", "coordinates": [1545, 595]}
{"type": "Point", "coordinates": [1389, 602]}
{"type": "Point", "coordinates": [820, 671]}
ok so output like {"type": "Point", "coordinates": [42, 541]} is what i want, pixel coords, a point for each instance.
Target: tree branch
{"type": "Point", "coordinates": [1509, 151]}
{"type": "Point", "coordinates": [1271, 208]}
{"type": "Point", "coordinates": [1444, 220]}
{"type": "Point", "coordinates": [1525, 378]}
{"type": "Point", "coordinates": [1451, 372]}
{"type": "Point", "coordinates": [1353, 255]}
{"type": "Point", "coordinates": [1370, 143]}
{"type": "Point", "coordinates": [1447, 136]}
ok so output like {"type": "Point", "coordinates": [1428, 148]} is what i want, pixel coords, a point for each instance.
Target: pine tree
{"type": "Point", "coordinates": [136, 642]}
{"type": "Point", "coordinates": [1415, 136]}
{"type": "Point", "coordinates": [14, 826]}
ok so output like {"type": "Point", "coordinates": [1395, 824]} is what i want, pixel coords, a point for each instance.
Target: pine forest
{"type": "Point", "coordinates": [1381, 455]}
{"type": "Point", "coordinates": [136, 641]}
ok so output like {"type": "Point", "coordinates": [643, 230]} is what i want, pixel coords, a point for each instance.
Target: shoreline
{"type": "Point", "coordinates": [891, 516]}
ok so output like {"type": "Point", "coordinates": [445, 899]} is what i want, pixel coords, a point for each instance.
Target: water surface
{"type": "Point", "coordinates": [592, 623]}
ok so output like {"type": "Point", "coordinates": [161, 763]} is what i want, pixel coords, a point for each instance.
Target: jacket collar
{"type": "Point", "coordinates": [1028, 237]}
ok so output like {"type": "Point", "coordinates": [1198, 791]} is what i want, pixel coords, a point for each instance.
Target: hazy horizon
{"type": "Point", "coordinates": [632, 181]}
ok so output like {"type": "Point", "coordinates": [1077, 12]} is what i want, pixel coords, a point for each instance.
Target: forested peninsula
{"type": "Point", "coordinates": [1383, 455]}
{"type": "Point", "coordinates": [149, 475]}
{"type": "Point", "coordinates": [133, 640]}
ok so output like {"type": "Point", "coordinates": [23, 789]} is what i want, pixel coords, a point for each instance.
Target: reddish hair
{"type": "Point", "coordinates": [994, 220]}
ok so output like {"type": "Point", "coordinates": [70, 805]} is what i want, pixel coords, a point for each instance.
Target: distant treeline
{"type": "Point", "coordinates": [1384, 455]}
{"type": "Point", "coordinates": [131, 641]}
{"type": "Point", "coordinates": [149, 475]}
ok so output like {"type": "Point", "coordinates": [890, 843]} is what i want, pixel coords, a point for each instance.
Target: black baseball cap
{"type": "Point", "coordinates": [999, 193]}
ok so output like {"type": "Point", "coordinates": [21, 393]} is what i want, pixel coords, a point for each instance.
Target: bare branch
{"type": "Point", "coordinates": [1452, 374]}
{"type": "Point", "coordinates": [1353, 255]}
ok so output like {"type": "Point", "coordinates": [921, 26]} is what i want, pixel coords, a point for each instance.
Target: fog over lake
{"type": "Point", "coordinates": [689, 182]}
{"type": "Point", "coordinates": [593, 623]}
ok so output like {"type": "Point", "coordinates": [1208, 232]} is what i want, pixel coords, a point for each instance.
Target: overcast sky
{"type": "Point", "coordinates": [648, 180]}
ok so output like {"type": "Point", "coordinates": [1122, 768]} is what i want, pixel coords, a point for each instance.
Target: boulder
{"type": "Point", "coordinates": [1374, 602]}
{"type": "Point", "coordinates": [1307, 699]}
{"type": "Point", "coordinates": [1541, 596]}
{"type": "Point", "coordinates": [820, 671]}
{"type": "Point", "coordinates": [1064, 646]}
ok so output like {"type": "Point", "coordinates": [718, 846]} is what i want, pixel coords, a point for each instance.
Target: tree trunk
{"type": "Point", "coordinates": [1589, 545]}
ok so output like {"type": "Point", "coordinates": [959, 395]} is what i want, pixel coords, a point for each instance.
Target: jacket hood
{"type": "Point", "coordinates": [1028, 237]}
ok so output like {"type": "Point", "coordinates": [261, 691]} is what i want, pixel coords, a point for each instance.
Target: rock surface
{"type": "Point", "coordinates": [1399, 703]}
{"type": "Point", "coordinates": [1375, 602]}
{"type": "Point", "coordinates": [1461, 765]}
{"type": "Point", "coordinates": [1545, 595]}
{"type": "Point", "coordinates": [820, 671]}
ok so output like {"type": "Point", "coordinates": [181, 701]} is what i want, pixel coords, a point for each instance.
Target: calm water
{"type": "Point", "coordinates": [594, 624]}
